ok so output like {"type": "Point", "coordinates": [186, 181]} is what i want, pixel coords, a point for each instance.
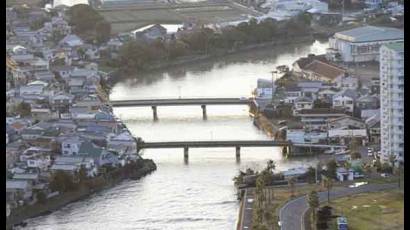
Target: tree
{"type": "Point", "coordinates": [83, 17]}
{"type": "Point", "coordinates": [41, 197]}
{"type": "Point", "coordinates": [331, 168]}
{"type": "Point", "coordinates": [313, 201]}
{"type": "Point", "coordinates": [103, 31]}
{"type": "Point", "coordinates": [328, 183]}
{"type": "Point", "coordinates": [24, 109]}
{"type": "Point", "coordinates": [62, 182]}
{"type": "Point", "coordinates": [176, 49]}
{"type": "Point", "coordinates": [311, 175]}
{"type": "Point", "coordinates": [392, 159]}
{"type": "Point", "coordinates": [291, 183]}
{"type": "Point", "coordinates": [260, 187]}
{"type": "Point", "coordinates": [378, 165]}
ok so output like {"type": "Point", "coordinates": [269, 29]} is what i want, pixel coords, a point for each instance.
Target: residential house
{"type": "Point", "coordinates": [122, 143]}
{"type": "Point", "coordinates": [367, 113]}
{"type": "Point", "coordinates": [63, 71]}
{"type": "Point", "coordinates": [150, 32]}
{"type": "Point", "coordinates": [316, 119]}
{"type": "Point", "coordinates": [71, 145]}
{"type": "Point", "coordinates": [36, 157]}
{"type": "Point", "coordinates": [327, 94]}
{"type": "Point", "coordinates": [292, 92]}
{"type": "Point", "coordinates": [343, 102]}
{"type": "Point", "coordinates": [301, 103]}
{"type": "Point", "coordinates": [311, 88]}
{"type": "Point", "coordinates": [346, 82]}
{"type": "Point", "coordinates": [71, 40]}
{"type": "Point", "coordinates": [17, 190]}
{"type": "Point", "coordinates": [44, 75]}
{"type": "Point", "coordinates": [345, 136]}
{"type": "Point", "coordinates": [346, 122]}
{"type": "Point", "coordinates": [322, 71]}
{"type": "Point", "coordinates": [61, 101]}
{"type": "Point", "coordinates": [373, 127]}
{"type": "Point", "coordinates": [368, 102]}
{"type": "Point", "coordinates": [344, 174]}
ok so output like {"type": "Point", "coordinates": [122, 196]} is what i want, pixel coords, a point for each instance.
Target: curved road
{"type": "Point", "coordinates": [291, 214]}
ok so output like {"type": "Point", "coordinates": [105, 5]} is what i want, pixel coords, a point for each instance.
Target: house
{"type": "Point", "coordinates": [367, 113]}
{"type": "Point", "coordinates": [122, 143]}
{"type": "Point", "coordinates": [346, 82]}
{"type": "Point", "coordinates": [344, 136]}
{"type": "Point", "coordinates": [361, 44]}
{"type": "Point", "coordinates": [343, 102]}
{"type": "Point", "coordinates": [71, 40]}
{"type": "Point", "coordinates": [36, 157]}
{"type": "Point", "coordinates": [327, 94]}
{"type": "Point", "coordinates": [30, 134]}
{"type": "Point", "coordinates": [302, 103]}
{"type": "Point", "coordinates": [61, 101]}
{"type": "Point", "coordinates": [150, 32]}
{"type": "Point", "coordinates": [33, 177]}
{"type": "Point", "coordinates": [344, 174]}
{"type": "Point", "coordinates": [63, 71]}
{"type": "Point", "coordinates": [41, 113]}
{"type": "Point", "coordinates": [299, 65]}
{"type": "Point", "coordinates": [295, 135]}
{"type": "Point", "coordinates": [311, 88]}
{"type": "Point", "coordinates": [265, 88]}
{"type": "Point", "coordinates": [18, 190]}
{"type": "Point", "coordinates": [101, 156]}
{"type": "Point", "coordinates": [373, 127]}
{"type": "Point", "coordinates": [368, 102]}
{"type": "Point", "coordinates": [346, 122]}
{"type": "Point", "coordinates": [323, 71]}
{"type": "Point", "coordinates": [71, 145]}
{"type": "Point", "coordinates": [315, 119]}
{"type": "Point", "coordinates": [292, 92]}
{"type": "Point", "coordinates": [44, 75]}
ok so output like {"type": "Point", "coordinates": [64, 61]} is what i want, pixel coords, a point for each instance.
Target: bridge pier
{"type": "Point", "coordinates": [186, 154]}
{"type": "Point", "coordinates": [154, 111]}
{"type": "Point", "coordinates": [204, 117]}
{"type": "Point", "coordinates": [238, 153]}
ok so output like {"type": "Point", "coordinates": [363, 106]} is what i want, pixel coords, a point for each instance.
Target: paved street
{"type": "Point", "coordinates": [291, 214]}
{"type": "Point", "coordinates": [247, 210]}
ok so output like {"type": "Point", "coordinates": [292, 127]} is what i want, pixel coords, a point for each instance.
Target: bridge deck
{"type": "Point", "coordinates": [207, 144]}
{"type": "Point", "coordinates": [184, 101]}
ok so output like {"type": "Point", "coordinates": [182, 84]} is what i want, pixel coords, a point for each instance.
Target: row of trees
{"type": "Point", "coordinates": [137, 54]}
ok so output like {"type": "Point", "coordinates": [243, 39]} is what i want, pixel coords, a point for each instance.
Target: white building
{"type": "Point", "coordinates": [362, 44]}
{"type": "Point", "coordinates": [343, 102]}
{"type": "Point", "coordinates": [392, 100]}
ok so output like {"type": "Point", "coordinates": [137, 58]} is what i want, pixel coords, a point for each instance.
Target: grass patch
{"type": "Point", "coordinates": [377, 210]}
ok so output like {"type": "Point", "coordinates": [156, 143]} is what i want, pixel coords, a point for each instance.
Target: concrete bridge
{"type": "Point", "coordinates": [237, 144]}
{"type": "Point", "coordinates": [203, 102]}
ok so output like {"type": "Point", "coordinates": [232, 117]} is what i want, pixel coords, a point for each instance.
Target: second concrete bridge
{"type": "Point", "coordinates": [203, 102]}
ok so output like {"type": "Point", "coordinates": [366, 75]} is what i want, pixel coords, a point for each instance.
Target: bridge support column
{"type": "Point", "coordinates": [204, 112]}
{"type": "Point", "coordinates": [186, 156]}
{"type": "Point", "coordinates": [154, 112]}
{"type": "Point", "coordinates": [238, 153]}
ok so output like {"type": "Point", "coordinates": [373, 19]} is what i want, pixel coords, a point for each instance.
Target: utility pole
{"type": "Point", "coordinates": [273, 76]}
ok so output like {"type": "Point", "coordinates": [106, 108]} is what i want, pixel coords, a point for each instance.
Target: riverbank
{"type": "Point", "coordinates": [91, 186]}
{"type": "Point", "coordinates": [189, 60]}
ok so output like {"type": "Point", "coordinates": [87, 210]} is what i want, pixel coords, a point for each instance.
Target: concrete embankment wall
{"type": "Point", "coordinates": [22, 213]}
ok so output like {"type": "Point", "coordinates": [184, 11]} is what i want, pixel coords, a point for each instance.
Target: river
{"type": "Point", "coordinates": [200, 194]}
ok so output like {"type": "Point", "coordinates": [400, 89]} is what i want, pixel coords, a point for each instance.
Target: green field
{"type": "Point", "coordinates": [372, 211]}
{"type": "Point", "coordinates": [123, 20]}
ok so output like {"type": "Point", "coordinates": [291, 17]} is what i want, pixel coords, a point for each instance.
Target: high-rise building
{"type": "Point", "coordinates": [392, 100]}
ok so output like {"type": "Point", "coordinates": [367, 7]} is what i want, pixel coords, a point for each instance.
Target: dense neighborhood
{"type": "Point", "coordinates": [62, 135]}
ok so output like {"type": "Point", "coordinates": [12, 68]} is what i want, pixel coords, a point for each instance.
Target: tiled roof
{"type": "Point", "coordinates": [326, 70]}
{"type": "Point", "coordinates": [302, 62]}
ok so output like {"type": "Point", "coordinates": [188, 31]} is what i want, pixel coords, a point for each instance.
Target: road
{"type": "Point", "coordinates": [291, 214]}
{"type": "Point", "coordinates": [247, 210]}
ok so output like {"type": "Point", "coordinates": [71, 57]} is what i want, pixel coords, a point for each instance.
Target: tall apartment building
{"type": "Point", "coordinates": [392, 100]}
